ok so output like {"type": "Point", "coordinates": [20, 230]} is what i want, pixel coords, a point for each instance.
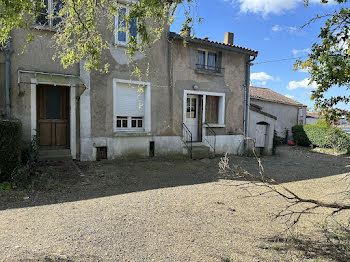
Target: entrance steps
{"type": "Point", "coordinates": [200, 151]}
{"type": "Point", "coordinates": [55, 154]}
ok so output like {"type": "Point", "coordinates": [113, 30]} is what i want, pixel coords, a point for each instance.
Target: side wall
{"type": "Point", "coordinates": [287, 115]}
{"type": "Point", "coordinates": [2, 84]}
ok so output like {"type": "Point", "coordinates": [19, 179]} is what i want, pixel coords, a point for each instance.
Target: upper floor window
{"type": "Point", "coordinates": [208, 60]}
{"type": "Point", "coordinates": [123, 33]}
{"type": "Point", "coordinates": [48, 14]}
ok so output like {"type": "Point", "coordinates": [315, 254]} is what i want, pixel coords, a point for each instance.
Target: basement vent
{"type": "Point", "coordinates": [101, 153]}
{"type": "Point", "coordinates": [151, 149]}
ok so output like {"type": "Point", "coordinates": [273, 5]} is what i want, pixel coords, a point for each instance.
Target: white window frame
{"type": "Point", "coordinates": [116, 28]}
{"type": "Point", "coordinates": [221, 107]}
{"type": "Point", "coordinates": [50, 11]}
{"type": "Point", "coordinates": [206, 58]}
{"type": "Point", "coordinates": [147, 104]}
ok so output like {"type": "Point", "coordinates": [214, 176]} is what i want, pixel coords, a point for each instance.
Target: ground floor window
{"type": "Point", "coordinates": [131, 106]}
{"type": "Point", "coordinates": [212, 110]}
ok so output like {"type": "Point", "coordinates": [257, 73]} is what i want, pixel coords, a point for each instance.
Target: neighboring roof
{"type": "Point", "coordinates": [208, 42]}
{"type": "Point", "coordinates": [310, 114]}
{"type": "Point", "coordinates": [258, 109]}
{"type": "Point", "coordinates": [262, 93]}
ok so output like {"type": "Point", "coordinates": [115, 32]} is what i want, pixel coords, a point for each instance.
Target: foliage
{"type": "Point", "coordinates": [10, 147]}
{"type": "Point", "coordinates": [328, 62]}
{"type": "Point", "coordinates": [30, 152]}
{"type": "Point", "coordinates": [317, 135]}
{"type": "Point", "coordinates": [277, 140]}
{"type": "Point", "coordinates": [321, 136]}
{"type": "Point", "coordinates": [338, 139]}
{"type": "Point", "coordinates": [299, 136]}
{"type": "Point", "coordinates": [81, 36]}
{"type": "Point", "coordinates": [322, 123]}
{"type": "Point", "coordinates": [6, 186]}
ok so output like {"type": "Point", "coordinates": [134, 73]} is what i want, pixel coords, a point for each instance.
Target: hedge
{"type": "Point", "coordinates": [320, 136]}
{"type": "Point", "coordinates": [10, 147]}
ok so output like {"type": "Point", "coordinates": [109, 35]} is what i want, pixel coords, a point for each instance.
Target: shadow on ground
{"type": "Point", "coordinates": [313, 249]}
{"type": "Point", "coordinates": [75, 181]}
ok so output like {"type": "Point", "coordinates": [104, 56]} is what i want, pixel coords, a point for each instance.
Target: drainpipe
{"type": "Point", "coordinates": [247, 99]}
{"type": "Point", "coordinates": [8, 77]}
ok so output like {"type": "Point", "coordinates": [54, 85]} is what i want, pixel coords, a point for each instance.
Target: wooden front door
{"type": "Point", "coordinates": [53, 115]}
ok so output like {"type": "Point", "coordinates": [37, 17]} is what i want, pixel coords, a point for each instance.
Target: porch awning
{"type": "Point", "coordinates": [59, 80]}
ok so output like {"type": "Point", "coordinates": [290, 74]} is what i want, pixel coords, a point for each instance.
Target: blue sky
{"type": "Point", "coordinates": [273, 28]}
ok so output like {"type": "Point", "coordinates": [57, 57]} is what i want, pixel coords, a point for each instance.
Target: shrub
{"type": "Point", "coordinates": [277, 140]}
{"type": "Point", "coordinates": [322, 123]}
{"type": "Point", "coordinates": [10, 147]}
{"type": "Point", "coordinates": [317, 135]}
{"type": "Point", "coordinates": [338, 139]}
{"type": "Point", "coordinates": [299, 136]}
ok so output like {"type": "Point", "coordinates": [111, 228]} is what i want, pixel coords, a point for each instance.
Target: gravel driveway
{"type": "Point", "coordinates": [162, 210]}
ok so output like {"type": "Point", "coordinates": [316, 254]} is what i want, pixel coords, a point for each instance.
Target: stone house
{"type": "Point", "coordinates": [270, 112]}
{"type": "Point", "coordinates": [192, 93]}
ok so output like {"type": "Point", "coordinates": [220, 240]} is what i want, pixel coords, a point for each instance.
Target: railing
{"type": "Point", "coordinates": [187, 138]}
{"type": "Point", "coordinates": [215, 69]}
{"type": "Point", "coordinates": [210, 137]}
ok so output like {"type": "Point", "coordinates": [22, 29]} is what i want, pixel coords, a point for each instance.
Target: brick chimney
{"type": "Point", "coordinates": [228, 38]}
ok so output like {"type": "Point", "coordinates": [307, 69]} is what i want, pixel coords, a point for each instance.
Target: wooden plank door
{"type": "Point", "coordinates": [260, 135]}
{"type": "Point", "coordinates": [53, 115]}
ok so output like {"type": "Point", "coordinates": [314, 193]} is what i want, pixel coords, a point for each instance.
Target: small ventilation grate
{"type": "Point", "coordinates": [101, 153]}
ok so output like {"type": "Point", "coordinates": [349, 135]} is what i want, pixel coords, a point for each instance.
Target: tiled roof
{"type": "Point", "coordinates": [266, 94]}
{"type": "Point", "coordinates": [313, 114]}
{"type": "Point", "coordinates": [210, 42]}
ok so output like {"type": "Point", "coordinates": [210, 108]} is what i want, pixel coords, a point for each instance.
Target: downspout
{"type": "Point", "coordinates": [247, 99]}
{"type": "Point", "coordinates": [8, 78]}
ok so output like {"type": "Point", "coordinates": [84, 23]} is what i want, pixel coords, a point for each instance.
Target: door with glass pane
{"type": "Point", "coordinates": [192, 115]}
{"type": "Point", "coordinates": [53, 115]}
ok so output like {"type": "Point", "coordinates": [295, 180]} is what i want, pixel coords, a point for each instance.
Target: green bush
{"type": "Point", "coordinates": [321, 136]}
{"type": "Point", "coordinates": [338, 139]}
{"type": "Point", "coordinates": [317, 135]}
{"type": "Point", "coordinates": [10, 147]}
{"type": "Point", "coordinates": [322, 123]}
{"type": "Point", "coordinates": [299, 136]}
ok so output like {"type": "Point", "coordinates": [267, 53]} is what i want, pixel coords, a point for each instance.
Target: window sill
{"type": "Point", "coordinates": [128, 133]}
{"type": "Point", "coordinates": [44, 28]}
{"type": "Point", "coordinates": [214, 125]}
{"type": "Point", "coordinates": [208, 72]}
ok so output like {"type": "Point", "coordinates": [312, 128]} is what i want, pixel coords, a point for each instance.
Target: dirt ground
{"type": "Point", "coordinates": [165, 210]}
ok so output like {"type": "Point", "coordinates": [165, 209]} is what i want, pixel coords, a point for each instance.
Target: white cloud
{"type": "Point", "coordinates": [262, 76]}
{"type": "Point", "coordinates": [297, 52]}
{"type": "Point", "coordinates": [301, 84]}
{"type": "Point", "coordinates": [266, 39]}
{"type": "Point", "coordinates": [289, 29]}
{"type": "Point", "coordinates": [290, 96]}
{"type": "Point", "coordinates": [266, 7]}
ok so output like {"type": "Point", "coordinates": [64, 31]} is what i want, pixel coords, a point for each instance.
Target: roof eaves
{"type": "Point", "coordinates": [233, 48]}
{"type": "Point", "coordinates": [277, 101]}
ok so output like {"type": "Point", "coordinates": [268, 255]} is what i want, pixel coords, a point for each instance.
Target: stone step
{"type": "Point", "coordinates": [200, 152]}
{"type": "Point", "coordinates": [54, 154]}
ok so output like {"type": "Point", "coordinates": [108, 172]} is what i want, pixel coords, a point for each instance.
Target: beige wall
{"type": "Point", "coordinates": [37, 56]}
{"type": "Point", "coordinates": [287, 115]}
{"type": "Point", "coordinates": [231, 82]}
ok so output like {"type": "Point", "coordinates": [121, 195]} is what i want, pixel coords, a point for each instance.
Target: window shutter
{"type": "Point", "coordinates": [212, 109]}
{"type": "Point", "coordinates": [130, 100]}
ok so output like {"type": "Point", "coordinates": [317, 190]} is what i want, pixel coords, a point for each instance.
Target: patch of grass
{"type": "Point", "coordinates": [329, 151]}
{"type": "Point", "coordinates": [6, 186]}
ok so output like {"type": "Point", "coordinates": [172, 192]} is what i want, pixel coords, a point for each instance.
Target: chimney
{"type": "Point", "coordinates": [228, 38]}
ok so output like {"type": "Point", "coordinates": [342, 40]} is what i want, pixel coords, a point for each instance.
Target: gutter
{"type": "Point", "coordinates": [247, 98]}
{"type": "Point", "coordinates": [8, 52]}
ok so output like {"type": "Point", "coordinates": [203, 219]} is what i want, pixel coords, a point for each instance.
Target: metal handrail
{"type": "Point", "coordinates": [212, 133]}
{"type": "Point", "coordinates": [187, 138]}
{"type": "Point", "coordinates": [217, 69]}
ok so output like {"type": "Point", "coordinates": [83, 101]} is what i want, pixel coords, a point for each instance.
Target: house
{"type": "Point", "coordinates": [272, 112]}
{"type": "Point", "coordinates": [312, 117]}
{"type": "Point", "coordinates": [193, 95]}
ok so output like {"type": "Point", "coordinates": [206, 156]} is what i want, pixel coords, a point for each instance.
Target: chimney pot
{"type": "Point", "coordinates": [228, 38]}
{"type": "Point", "coordinates": [206, 38]}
